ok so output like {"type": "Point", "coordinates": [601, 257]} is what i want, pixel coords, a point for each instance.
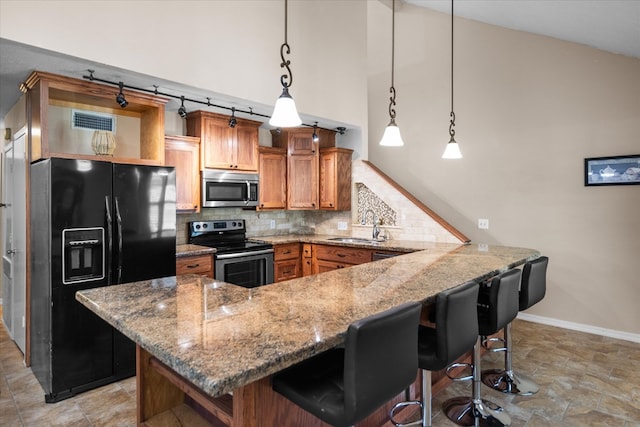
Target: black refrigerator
{"type": "Point", "coordinates": [93, 224]}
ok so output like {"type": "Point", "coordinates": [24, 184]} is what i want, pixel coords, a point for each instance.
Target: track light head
{"type": "Point", "coordinates": [182, 112]}
{"type": "Point", "coordinates": [315, 136]}
{"type": "Point", "coordinates": [120, 99]}
{"type": "Point", "coordinates": [232, 121]}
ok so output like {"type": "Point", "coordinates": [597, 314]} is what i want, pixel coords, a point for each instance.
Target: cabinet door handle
{"type": "Point", "coordinates": [287, 252]}
{"type": "Point", "coordinates": [286, 272]}
{"type": "Point", "coordinates": [193, 266]}
{"type": "Point", "coordinates": [341, 255]}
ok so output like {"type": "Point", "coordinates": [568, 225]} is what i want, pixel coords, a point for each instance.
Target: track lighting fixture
{"type": "Point", "coordinates": [232, 121]}
{"type": "Point", "coordinates": [452, 150]}
{"type": "Point", "coordinates": [285, 113]}
{"type": "Point", "coordinates": [249, 111]}
{"type": "Point", "coordinates": [182, 112]}
{"type": "Point", "coordinates": [120, 99]}
{"type": "Point", "coordinates": [391, 136]}
{"type": "Point", "coordinates": [315, 136]}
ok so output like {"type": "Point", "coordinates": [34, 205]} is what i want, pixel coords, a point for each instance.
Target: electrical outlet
{"type": "Point", "coordinates": [273, 224]}
{"type": "Point", "coordinates": [483, 247]}
{"type": "Point", "coordinates": [342, 225]}
{"type": "Point", "coordinates": [483, 224]}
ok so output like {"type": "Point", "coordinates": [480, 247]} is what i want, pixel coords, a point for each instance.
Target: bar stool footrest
{"type": "Point", "coordinates": [404, 404]}
{"type": "Point", "coordinates": [509, 382]}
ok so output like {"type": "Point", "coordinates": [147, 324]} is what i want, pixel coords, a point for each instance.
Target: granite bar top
{"type": "Point", "coordinates": [221, 336]}
{"type": "Point", "coordinates": [193, 250]}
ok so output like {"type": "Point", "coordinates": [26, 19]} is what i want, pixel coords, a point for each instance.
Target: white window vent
{"type": "Point", "coordinates": [90, 120]}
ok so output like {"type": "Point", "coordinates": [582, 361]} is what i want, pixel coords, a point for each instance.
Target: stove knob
{"type": "Point", "coordinates": [205, 225]}
{"type": "Point", "coordinates": [197, 226]}
{"type": "Point", "coordinates": [233, 224]}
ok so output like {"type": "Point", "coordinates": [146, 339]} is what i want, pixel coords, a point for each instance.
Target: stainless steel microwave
{"type": "Point", "coordinates": [222, 188]}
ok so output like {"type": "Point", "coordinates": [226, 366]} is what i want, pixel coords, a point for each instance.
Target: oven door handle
{"type": "Point", "coordinates": [244, 254]}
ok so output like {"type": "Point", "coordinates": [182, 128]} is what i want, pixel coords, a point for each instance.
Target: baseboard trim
{"type": "Point", "coordinates": [581, 327]}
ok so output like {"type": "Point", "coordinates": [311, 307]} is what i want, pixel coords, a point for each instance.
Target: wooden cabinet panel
{"type": "Point", "coordinates": [286, 269]}
{"type": "Point", "coordinates": [287, 261]}
{"type": "Point", "coordinates": [323, 266]}
{"type": "Point", "coordinates": [183, 153]}
{"type": "Point", "coordinates": [302, 182]}
{"type": "Point", "coordinates": [224, 147]}
{"type": "Point", "coordinates": [342, 254]}
{"type": "Point", "coordinates": [273, 178]}
{"type": "Point", "coordinates": [335, 179]}
{"type": "Point", "coordinates": [198, 264]}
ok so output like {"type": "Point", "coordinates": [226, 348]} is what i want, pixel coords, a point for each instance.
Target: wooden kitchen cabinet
{"type": "Point", "coordinates": [53, 100]}
{"type": "Point", "coordinates": [307, 259]}
{"type": "Point", "coordinates": [196, 264]}
{"type": "Point", "coordinates": [272, 168]}
{"type": "Point", "coordinates": [302, 164]}
{"type": "Point", "coordinates": [183, 153]}
{"type": "Point", "coordinates": [223, 147]}
{"type": "Point", "coordinates": [287, 261]}
{"type": "Point", "coordinates": [335, 179]}
{"type": "Point", "coordinates": [329, 257]}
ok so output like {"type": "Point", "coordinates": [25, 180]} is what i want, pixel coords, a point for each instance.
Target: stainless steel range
{"type": "Point", "coordinates": [238, 260]}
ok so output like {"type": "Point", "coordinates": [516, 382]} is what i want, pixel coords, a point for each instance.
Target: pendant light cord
{"type": "Point", "coordinates": [285, 49]}
{"type": "Point", "coordinates": [392, 89]}
{"type": "Point", "coordinates": [452, 131]}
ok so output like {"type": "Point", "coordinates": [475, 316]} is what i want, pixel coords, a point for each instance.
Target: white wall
{"type": "Point", "coordinates": [529, 109]}
{"type": "Point", "coordinates": [225, 46]}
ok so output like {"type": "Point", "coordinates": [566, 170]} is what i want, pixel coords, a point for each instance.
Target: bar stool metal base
{"type": "Point", "coordinates": [509, 382]}
{"type": "Point", "coordinates": [465, 411]}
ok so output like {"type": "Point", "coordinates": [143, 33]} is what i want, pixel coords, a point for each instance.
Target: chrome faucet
{"type": "Point", "coordinates": [376, 223]}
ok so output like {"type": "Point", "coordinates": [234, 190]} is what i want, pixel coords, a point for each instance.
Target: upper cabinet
{"type": "Point", "coordinates": [65, 113]}
{"type": "Point", "coordinates": [302, 164]}
{"type": "Point", "coordinates": [273, 178]}
{"type": "Point", "coordinates": [335, 179]}
{"type": "Point", "coordinates": [183, 153]}
{"type": "Point", "coordinates": [224, 147]}
{"type": "Point", "coordinates": [318, 173]}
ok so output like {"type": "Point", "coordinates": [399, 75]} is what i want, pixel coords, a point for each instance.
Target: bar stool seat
{"type": "Point", "coordinates": [344, 385]}
{"type": "Point", "coordinates": [532, 290]}
{"type": "Point", "coordinates": [497, 307]}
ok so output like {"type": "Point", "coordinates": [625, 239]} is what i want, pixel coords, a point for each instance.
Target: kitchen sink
{"type": "Point", "coordinates": [355, 240]}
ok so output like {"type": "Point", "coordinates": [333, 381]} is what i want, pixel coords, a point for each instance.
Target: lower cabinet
{"type": "Point", "coordinates": [287, 261]}
{"type": "Point", "coordinates": [197, 264]}
{"type": "Point", "coordinates": [329, 257]}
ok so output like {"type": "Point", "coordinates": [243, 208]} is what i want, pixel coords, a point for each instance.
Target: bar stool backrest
{"type": "Point", "coordinates": [502, 293]}
{"type": "Point", "coordinates": [534, 282]}
{"type": "Point", "coordinates": [381, 358]}
{"type": "Point", "coordinates": [456, 321]}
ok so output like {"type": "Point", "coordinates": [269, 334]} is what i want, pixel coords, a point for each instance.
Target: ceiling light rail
{"type": "Point", "coordinates": [182, 111]}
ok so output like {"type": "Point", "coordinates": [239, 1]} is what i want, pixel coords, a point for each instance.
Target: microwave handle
{"type": "Point", "coordinates": [248, 192]}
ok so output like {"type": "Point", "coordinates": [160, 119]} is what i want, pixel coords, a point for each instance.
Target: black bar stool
{"type": "Point", "coordinates": [532, 290]}
{"type": "Point", "coordinates": [455, 333]}
{"type": "Point", "coordinates": [344, 385]}
{"type": "Point", "coordinates": [497, 306]}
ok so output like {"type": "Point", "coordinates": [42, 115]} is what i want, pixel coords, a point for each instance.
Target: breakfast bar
{"type": "Point", "coordinates": [214, 345]}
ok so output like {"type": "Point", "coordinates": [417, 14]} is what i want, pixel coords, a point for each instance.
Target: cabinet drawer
{"type": "Point", "coordinates": [286, 251]}
{"type": "Point", "coordinates": [201, 264]}
{"type": "Point", "coordinates": [287, 269]}
{"type": "Point", "coordinates": [326, 266]}
{"type": "Point", "coordinates": [342, 254]}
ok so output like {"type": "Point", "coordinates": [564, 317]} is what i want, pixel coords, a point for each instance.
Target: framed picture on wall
{"type": "Point", "coordinates": [614, 170]}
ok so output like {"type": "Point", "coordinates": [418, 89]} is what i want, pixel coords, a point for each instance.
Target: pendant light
{"type": "Point", "coordinates": [285, 113]}
{"type": "Point", "coordinates": [391, 136]}
{"type": "Point", "coordinates": [452, 150]}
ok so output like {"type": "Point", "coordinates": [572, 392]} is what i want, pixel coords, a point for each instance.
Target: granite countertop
{"type": "Point", "coordinates": [325, 239]}
{"type": "Point", "coordinates": [221, 336]}
{"type": "Point", "coordinates": [193, 250]}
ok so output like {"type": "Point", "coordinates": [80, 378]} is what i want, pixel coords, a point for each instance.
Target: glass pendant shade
{"type": "Point", "coordinates": [391, 136]}
{"type": "Point", "coordinates": [285, 114]}
{"type": "Point", "coordinates": [452, 151]}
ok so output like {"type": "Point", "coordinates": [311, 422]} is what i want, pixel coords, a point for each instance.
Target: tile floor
{"type": "Point", "coordinates": [585, 380]}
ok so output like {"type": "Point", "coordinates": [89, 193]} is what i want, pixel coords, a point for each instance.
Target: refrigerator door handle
{"type": "Point", "coordinates": [119, 231]}
{"type": "Point", "coordinates": [107, 207]}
